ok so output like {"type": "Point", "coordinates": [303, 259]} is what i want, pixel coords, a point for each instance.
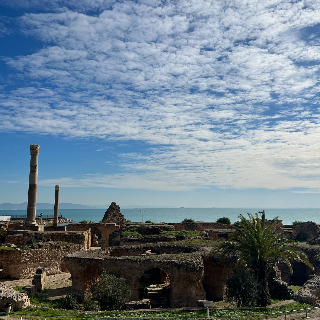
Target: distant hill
{"type": "Point", "coordinates": [43, 206]}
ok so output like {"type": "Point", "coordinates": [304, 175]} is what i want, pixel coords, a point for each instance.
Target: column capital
{"type": "Point", "coordinates": [34, 149]}
{"type": "Point", "coordinates": [57, 187]}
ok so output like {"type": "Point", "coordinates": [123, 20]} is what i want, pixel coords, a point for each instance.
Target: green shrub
{"type": "Point", "coordinates": [6, 248]}
{"type": "Point", "coordinates": [131, 233]}
{"type": "Point", "coordinates": [69, 302]}
{"type": "Point", "coordinates": [90, 305]}
{"type": "Point", "coordinates": [187, 220]}
{"type": "Point", "coordinates": [224, 220]}
{"type": "Point", "coordinates": [148, 221]}
{"type": "Point", "coordinates": [242, 288]}
{"type": "Point", "coordinates": [85, 221]}
{"type": "Point", "coordinates": [112, 293]}
{"type": "Point", "coordinates": [279, 290]}
{"type": "Point", "coordinates": [296, 223]}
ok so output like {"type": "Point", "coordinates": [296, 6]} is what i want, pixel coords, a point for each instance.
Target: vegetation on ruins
{"type": "Point", "coordinates": [224, 220]}
{"type": "Point", "coordinates": [112, 293]}
{"type": "Point", "coordinates": [86, 221]}
{"type": "Point", "coordinates": [242, 288]}
{"type": "Point", "coordinates": [48, 308]}
{"type": "Point", "coordinates": [259, 246]}
{"type": "Point", "coordinates": [187, 220]}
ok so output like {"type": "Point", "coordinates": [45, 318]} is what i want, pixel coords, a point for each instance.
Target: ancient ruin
{"type": "Point", "coordinates": [56, 206]}
{"type": "Point", "coordinates": [113, 215]}
{"type": "Point", "coordinates": [166, 265]}
{"type": "Point", "coordinates": [32, 192]}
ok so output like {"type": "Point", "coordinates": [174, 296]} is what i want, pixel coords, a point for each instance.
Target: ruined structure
{"type": "Point", "coordinates": [9, 295]}
{"type": "Point", "coordinates": [56, 206]}
{"type": "Point", "coordinates": [184, 271]}
{"type": "Point", "coordinates": [309, 293]}
{"type": "Point", "coordinates": [183, 268]}
{"type": "Point", "coordinates": [29, 251]}
{"type": "Point", "coordinates": [113, 215]}
{"type": "Point", "coordinates": [32, 192]}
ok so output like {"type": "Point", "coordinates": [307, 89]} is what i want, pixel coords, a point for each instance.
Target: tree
{"type": "Point", "coordinates": [224, 220]}
{"type": "Point", "coordinates": [111, 292]}
{"type": "Point", "coordinates": [259, 247]}
{"type": "Point", "coordinates": [243, 288]}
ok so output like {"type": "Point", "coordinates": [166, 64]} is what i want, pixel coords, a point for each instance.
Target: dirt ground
{"type": "Point", "coordinates": [57, 285]}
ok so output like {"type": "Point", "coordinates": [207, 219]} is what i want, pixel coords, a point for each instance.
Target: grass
{"type": "Point", "coordinates": [46, 308]}
{"type": "Point", "coordinates": [295, 288]}
{"type": "Point", "coordinates": [184, 233]}
{"type": "Point", "coordinates": [6, 248]}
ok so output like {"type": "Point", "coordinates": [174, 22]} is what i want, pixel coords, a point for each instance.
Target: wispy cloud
{"type": "Point", "coordinates": [225, 93]}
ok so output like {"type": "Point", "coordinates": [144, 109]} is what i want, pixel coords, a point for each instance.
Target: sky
{"type": "Point", "coordinates": [202, 103]}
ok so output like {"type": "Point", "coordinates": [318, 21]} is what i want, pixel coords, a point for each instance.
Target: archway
{"type": "Point", "coordinates": [155, 285]}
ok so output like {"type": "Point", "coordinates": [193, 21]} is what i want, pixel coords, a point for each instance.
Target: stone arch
{"type": "Point", "coordinates": [154, 284]}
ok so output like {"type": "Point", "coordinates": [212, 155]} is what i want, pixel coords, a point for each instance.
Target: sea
{"type": "Point", "coordinates": [170, 215]}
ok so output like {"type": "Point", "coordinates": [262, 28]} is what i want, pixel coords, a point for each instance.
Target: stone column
{"type": "Point", "coordinates": [56, 207]}
{"type": "Point", "coordinates": [32, 192]}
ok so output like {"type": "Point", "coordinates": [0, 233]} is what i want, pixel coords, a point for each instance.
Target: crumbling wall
{"type": "Point", "coordinates": [83, 238]}
{"type": "Point", "coordinates": [215, 274]}
{"type": "Point", "coordinates": [113, 215]}
{"type": "Point", "coordinates": [199, 226]}
{"type": "Point", "coordinates": [146, 249]}
{"type": "Point", "coordinates": [184, 270]}
{"type": "Point", "coordinates": [21, 264]}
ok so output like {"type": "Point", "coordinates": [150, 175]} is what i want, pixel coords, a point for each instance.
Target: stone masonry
{"type": "Point", "coordinates": [184, 270]}
{"type": "Point", "coordinates": [113, 215]}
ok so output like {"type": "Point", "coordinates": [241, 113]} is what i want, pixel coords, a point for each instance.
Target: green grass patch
{"type": "Point", "coordinates": [19, 289]}
{"type": "Point", "coordinates": [55, 314]}
{"type": "Point", "coordinates": [295, 288]}
{"type": "Point", "coordinates": [6, 248]}
{"type": "Point", "coordinates": [183, 233]}
{"type": "Point", "coordinates": [131, 233]}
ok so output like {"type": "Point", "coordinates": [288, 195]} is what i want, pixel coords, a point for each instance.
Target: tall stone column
{"type": "Point", "coordinates": [33, 179]}
{"type": "Point", "coordinates": [56, 206]}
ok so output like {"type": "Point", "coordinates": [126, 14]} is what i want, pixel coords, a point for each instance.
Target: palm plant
{"type": "Point", "coordinates": [259, 246]}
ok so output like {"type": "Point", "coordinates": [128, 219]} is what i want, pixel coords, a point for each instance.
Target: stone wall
{"type": "Point", "coordinates": [219, 234]}
{"type": "Point", "coordinates": [215, 274]}
{"type": "Point", "coordinates": [95, 232]}
{"type": "Point", "coordinates": [19, 263]}
{"type": "Point", "coordinates": [184, 270]}
{"type": "Point", "coordinates": [199, 226]}
{"type": "Point", "coordinates": [9, 295]}
{"type": "Point", "coordinates": [82, 238]}
{"type": "Point", "coordinates": [146, 249]}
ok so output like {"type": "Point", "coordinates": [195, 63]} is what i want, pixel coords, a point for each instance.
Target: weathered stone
{"type": "Point", "coordinates": [21, 264]}
{"type": "Point", "coordinates": [184, 270]}
{"type": "Point", "coordinates": [39, 280]}
{"type": "Point", "coordinates": [32, 192]}
{"type": "Point", "coordinates": [113, 215]}
{"type": "Point", "coordinates": [9, 295]}
{"type": "Point", "coordinates": [306, 231]}
{"type": "Point", "coordinates": [309, 293]}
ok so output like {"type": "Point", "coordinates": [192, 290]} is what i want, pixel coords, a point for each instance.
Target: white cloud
{"type": "Point", "coordinates": [230, 88]}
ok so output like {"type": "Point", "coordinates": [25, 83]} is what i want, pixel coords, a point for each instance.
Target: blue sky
{"type": "Point", "coordinates": [175, 103]}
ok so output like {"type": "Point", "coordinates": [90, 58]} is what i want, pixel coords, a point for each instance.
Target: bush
{"type": "Point", "coordinates": [296, 223]}
{"type": "Point", "coordinates": [279, 290]}
{"type": "Point", "coordinates": [224, 220]}
{"type": "Point", "coordinates": [90, 305]}
{"type": "Point", "coordinates": [69, 302]}
{"type": "Point", "coordinates": [148, 221]}
{"type": "Point", "coordinates": [242, 288]}
{"type": "Point", "coordinates": [86, 221]}
{"type": "Point", "coordinates": [188, 220]}
{"type": "Point", "coordinates": [112, 293]}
